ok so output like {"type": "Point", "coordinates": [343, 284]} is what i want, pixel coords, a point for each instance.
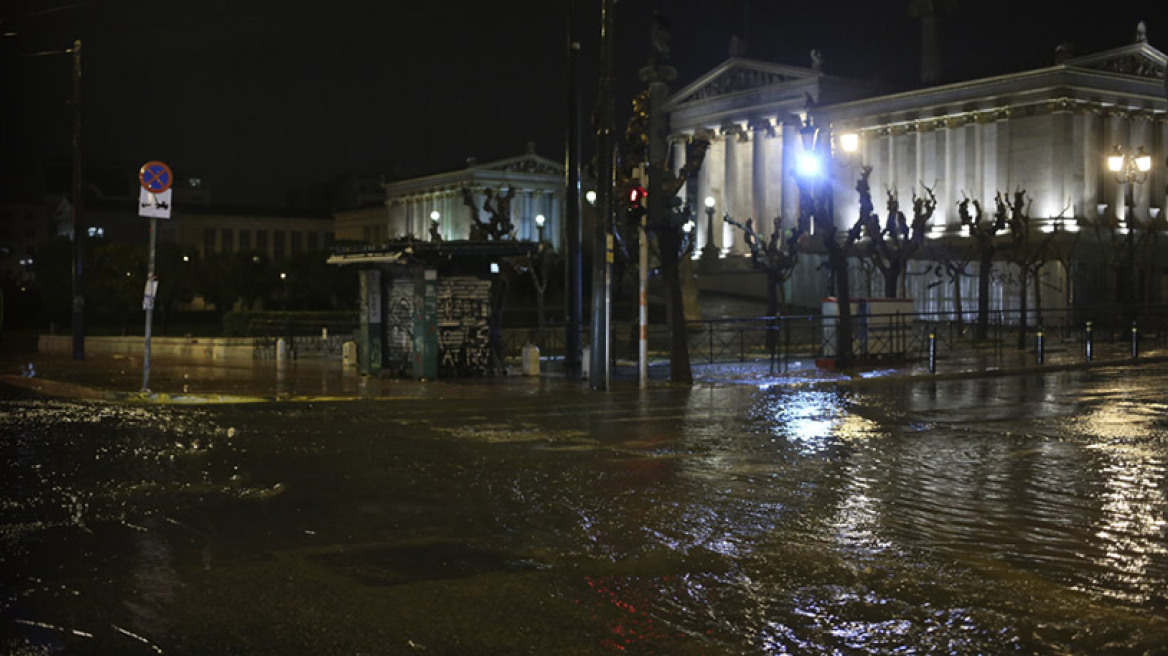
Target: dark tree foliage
{"type": "Point", "coordinates": [1029, 250]}
{"type": "Point", "coordinates": [776, 255]}
{"type": "Point", "coordinates": [892, 244]}
{"type": "Point", "coordinates": [984, 231]}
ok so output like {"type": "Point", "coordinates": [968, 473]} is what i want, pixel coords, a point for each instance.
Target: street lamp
{"type": "Point", "coordinates": [435, 217]}
{"type": "Point", "coordinates": [1129, 170]}
{"type": "Point", "coordinates": [709, 251]}
{"type": "Point", "coordinates": [539, 221]}
{"type": "Point", "coordinates": [590, 196]}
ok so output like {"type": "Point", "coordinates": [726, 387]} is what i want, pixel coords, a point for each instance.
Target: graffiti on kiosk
{"type": "Point", "coordinates": [464, 344]}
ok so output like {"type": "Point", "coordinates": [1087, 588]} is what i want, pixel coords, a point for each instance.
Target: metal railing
{"type": "Point", "coordinates": [898, 336]}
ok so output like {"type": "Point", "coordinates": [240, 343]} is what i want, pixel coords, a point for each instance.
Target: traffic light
{"type": "Point", "coordinates": [635, 205]}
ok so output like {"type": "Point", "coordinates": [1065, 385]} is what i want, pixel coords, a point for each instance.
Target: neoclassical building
{"type": "Point", "coordinates": [1047, 131]}
{"type": "Point", "coordinates": [532, 185]}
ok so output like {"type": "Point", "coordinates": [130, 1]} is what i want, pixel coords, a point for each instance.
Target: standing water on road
{"type": "Point", "coordinates": [1006, 515]}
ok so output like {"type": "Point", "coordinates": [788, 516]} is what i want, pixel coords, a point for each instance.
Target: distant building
{"type": "Point", "coordinates": [408, 206]}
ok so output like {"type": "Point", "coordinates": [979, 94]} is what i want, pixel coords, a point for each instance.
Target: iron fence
{"type": "Point", "coordinates": [897, 336]}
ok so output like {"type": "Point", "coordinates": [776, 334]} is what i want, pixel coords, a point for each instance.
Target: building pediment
{"type": "Point", "coordinates": [1137, 59]}
{"type": "Point", "coordinates": [737, 75]}
{"type": "Point", "coordinates": [529, 163]}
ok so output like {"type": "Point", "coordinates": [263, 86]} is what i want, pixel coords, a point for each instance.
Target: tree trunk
{"type": "Point", "coordinates": [985, 266]}
{"type": "Point", "coordinates": [843, 334]}
{"type": "Point", "coordinates": [679, 365]}
{"type": "Point", "coordinates": [891, 281]}
{"type": "Point", "coordinates": [1022, 307]}
{"type": "Point", "coordinates": [773, 303]}
{"type": "Point", "coordinates": [957, 298]}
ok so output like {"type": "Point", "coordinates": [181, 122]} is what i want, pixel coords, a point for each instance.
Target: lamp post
{"type": "Point", "coordinates": [710, 250]}
{"type": "Point", "coordinates": [1129, 170]}
{"type": "Point", "coordinates": [539, 222]}
{"type": "Point", "coordinates": [435, 219]}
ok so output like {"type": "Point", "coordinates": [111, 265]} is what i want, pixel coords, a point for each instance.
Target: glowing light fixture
{"type": "Point", "coordinates": [850, 142]}
{"type": "Point", "coordinates": [808, 165]}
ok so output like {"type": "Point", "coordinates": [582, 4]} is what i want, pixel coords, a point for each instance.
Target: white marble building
{"type": "Point", "coordinates": [537, 182]}
{"type": "Point", "coordinates": [1047, 131]}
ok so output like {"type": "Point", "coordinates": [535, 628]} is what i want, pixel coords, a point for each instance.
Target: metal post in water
{"type": "Point", "coordinates": [1041, 344]}
{"type": "Point", "coordinates": [1135, 341]}
{"type": "Point", "coordinates": [1090, 342]}
{"type": "Point", "coordinates": [932, 351]}
{"type": "Point", "coordinates": [148, 305]}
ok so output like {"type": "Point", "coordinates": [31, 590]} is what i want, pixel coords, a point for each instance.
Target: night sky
{"type": "Point", "coordinates": [260, 96]}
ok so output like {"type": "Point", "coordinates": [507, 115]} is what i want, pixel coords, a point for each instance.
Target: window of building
{"type": "Point", "coordinates": [208, 241]}
{"type": "Point", "coordinates": [278, 245]}
{"type": "Point", "coordinates": [297, 241]}
{"type": "Point", "coordinates": [227, 241]}
{"type": "Point", "coordinates": [313, 241]}
{"type": "Point", "coordinates": [245, 240]}
{"type": "Point", "coordinates": [262, 241]}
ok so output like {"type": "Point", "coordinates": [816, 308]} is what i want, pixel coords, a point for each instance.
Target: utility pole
{"type": "Point", "coordinates": [574, 236]}
{"type": "Point", "coordinates": [78, 229]}
{"type": "Point", "coordinates": [605, 183]}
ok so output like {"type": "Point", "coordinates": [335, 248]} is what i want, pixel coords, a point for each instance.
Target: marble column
{"type": "Point", "coordinates": [761, 130]}
{"type": "Point", "coordinates": [732, 187]}
{"type": "Point", "coordinates": [789, 195]}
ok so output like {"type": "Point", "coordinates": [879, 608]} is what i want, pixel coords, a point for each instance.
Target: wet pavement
{"type": "Point", "coordinates": [990, 508]}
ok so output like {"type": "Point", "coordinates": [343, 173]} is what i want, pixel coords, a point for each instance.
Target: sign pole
{"type": "Point", "coordinates": [154, 202]}
{"type": "Point", "coordinates": [148, 305]}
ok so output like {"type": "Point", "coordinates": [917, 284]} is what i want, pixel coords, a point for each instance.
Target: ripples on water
{"type": "Point", "coordinates": [964, 517]}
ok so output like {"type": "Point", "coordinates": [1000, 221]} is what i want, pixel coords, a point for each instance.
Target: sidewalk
{"type": "Point", "coordinates": [120, 378]}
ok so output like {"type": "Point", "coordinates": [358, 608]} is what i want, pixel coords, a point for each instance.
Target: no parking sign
{"type": "Point", "coordinates": [156, 179]}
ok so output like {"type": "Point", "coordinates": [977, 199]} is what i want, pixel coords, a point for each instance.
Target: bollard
{"type": "Point", "coordinates": [1041, 345]}
{"type": "Point", "coordinates": [530, 360]}
{"type": "Point", "coordinates": [932, 351]}
{"type": "Point", "coordinates": [349, 354]}
{"type": "Point", "coordinates": [1090, 344]}
{"type": "Point", "coordinates": [1135, 335]}
{"type": "Point", "coordinates": [281, 351]}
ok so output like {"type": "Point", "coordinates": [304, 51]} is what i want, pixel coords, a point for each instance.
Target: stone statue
{"type": "Point", "coordinates": [817, 61]}
{"type": "Point", "coordinates": [1141, 32]}
{"type": "Point", "coordinates": [737, 46]}
{"type": "Point", "coordinates": [659, 37]}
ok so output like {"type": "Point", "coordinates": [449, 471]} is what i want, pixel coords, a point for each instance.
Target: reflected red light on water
{"type": "Point", "coordinates": [631, 628]}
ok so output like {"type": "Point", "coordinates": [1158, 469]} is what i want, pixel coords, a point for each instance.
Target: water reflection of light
{"type": "Point", "coordinates": [814, 418]}
{"type": "Point", "coordinates": [1133, 502]}
{"type": "Point", "coordinates": [1132, 523]}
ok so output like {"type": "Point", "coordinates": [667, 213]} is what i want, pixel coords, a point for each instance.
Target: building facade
{"type": "Point", "coordinates": [1046, 131]}
{"type": "Point", "coordinates": [526, 186]}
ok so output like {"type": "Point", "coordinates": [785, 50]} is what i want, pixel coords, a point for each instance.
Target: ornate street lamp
{"type": "Point", "coordinates": [435, 218]}
{"type": "Point", "coordinates": [539, 221]}
{"type": "Point", "coordinates": [1129, 170]}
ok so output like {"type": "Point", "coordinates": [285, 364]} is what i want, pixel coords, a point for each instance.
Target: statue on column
{"type": "Point", "coordinates": [659, 38]}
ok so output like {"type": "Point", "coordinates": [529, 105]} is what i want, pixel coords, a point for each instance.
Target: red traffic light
{"type": "Point", "coordinates": [637, 194]}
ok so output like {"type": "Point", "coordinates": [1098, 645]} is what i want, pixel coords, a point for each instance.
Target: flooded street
{"type": "Point", "coordinates": [979, 516]}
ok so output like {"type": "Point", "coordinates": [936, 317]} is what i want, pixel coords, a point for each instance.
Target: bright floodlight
{"type": "Point", "coordinates": [539, 219]}
{"type": "Point", "coordinates": [709, 201]}
{"type": "Point", "coordinates": [808, 165]}
{"type": "Point", "coordinates": [850, 142]}
{"type": "Point", "coordinates": [1143, 160]}
{"type": "Point", "coordinates": [590, 196]}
